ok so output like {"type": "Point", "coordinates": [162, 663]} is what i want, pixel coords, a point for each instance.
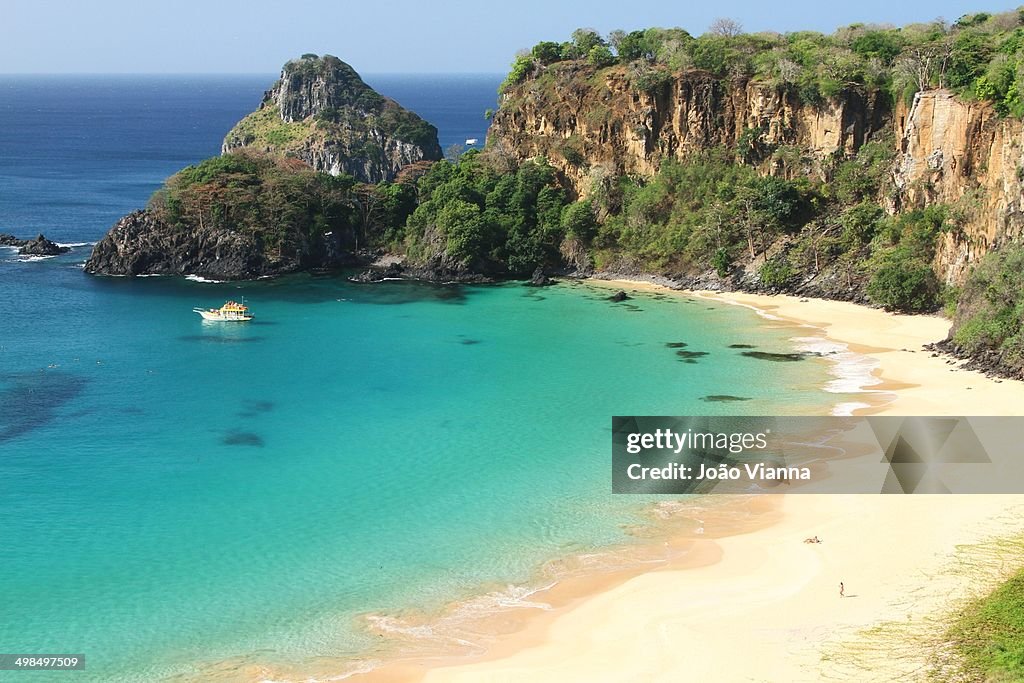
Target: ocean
{"type": "Point", "coordinates": [177, 494]}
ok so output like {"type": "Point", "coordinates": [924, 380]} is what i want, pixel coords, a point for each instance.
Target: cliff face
{"type": "Point", "coordinates": [142, 243]}
{"type": "Point", "coordinates": [954, 151]}
{"type": "Point", "coordinates": [596, 125]}
{"type": "Point", "coordinates": [321, 111]}
{"type": "Point", "coordinates": [583, 121]}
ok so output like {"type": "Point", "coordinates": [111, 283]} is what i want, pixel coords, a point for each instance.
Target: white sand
{"type": "Point", "coordinates": [770, 609]}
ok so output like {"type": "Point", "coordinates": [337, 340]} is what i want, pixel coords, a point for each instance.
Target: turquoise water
{"type": "Point", "coordinates": [174, 493]}
{"type": "Point", "coordinates": [178, 491]}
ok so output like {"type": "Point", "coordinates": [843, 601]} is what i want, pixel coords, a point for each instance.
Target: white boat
{"type": "Point", "coordinates": [231, 311]}
{"type": "Point", "coordinates": [471, 141]}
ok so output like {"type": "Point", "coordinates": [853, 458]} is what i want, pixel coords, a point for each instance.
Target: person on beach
{"type": "Point", "coordinates": [842, 590]}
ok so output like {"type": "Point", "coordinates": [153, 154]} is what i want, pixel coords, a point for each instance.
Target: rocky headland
{"type": "Point", "coordinates": [861, 166]}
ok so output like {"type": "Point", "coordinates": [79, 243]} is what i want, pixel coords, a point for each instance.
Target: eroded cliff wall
{"type": "Point", "coordinates": [592, 125]}
{"type": "Point", "coordinates": [582, 121]}
{"type": "Point", "coordinates": [961, 152]}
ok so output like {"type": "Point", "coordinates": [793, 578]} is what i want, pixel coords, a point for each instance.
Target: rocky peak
{"type": "Point", "coordinates": [322, 112]}
{"type": "Point", "coordinates": [311, 85]}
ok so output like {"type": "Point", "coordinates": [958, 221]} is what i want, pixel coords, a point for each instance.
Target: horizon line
{"type": "Point", "coordinates": [239, 73]}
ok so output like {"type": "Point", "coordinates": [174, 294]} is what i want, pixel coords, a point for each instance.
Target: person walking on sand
{"type": "Point", "coordinates": [842, 590]}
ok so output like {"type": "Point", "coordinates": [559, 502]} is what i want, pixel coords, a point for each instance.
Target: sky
{"type": "Point", "coordinates": [258, 36]}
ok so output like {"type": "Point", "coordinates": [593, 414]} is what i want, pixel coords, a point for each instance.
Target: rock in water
{"type": "Point", "coordinates": [539, 279]}
{"type": "Point", "coordinates": [10, 240]}
{"type": "Point", "coordinates": [41, 246]}
{"type": "Point", "coordinates": [321, 111]}
{"type": "Point", "coordinates": [140, 244]}
{"type": "Point", "coordinates": [618, 296]}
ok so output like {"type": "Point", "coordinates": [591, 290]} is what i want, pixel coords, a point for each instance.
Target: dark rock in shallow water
{"type": "Point", "coordinates": [723, 398]}
{"type": "Point", "coordinates": [742, 346]}
{"type": "Point", "coordinates": [619, 296]}
{"type": "Point", "coordinates": [242, 439]}
{"type": "Point", "coordinates": [40, 246]}
{"type": "Point", "coordinates": [254, 408]}
{"type": "Point", "coordinates": [691, 356]}
{"type": "Point", "coordinates": [539, 279]}
{"type": "Point", "coordinates": [10, 241]}
{"type": "Point", "coordinates": [391, 271]}
{"type": "Point", "coordinates": [32, 400]}
{"type": "Point", "coordinates": [776, 357]}
{"type": "Point", "coordinates": [676, 345]}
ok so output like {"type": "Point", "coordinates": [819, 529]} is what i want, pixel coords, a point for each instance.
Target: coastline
{"type": "Point", "coordinates": [769, 608]}
{"type": "Point", "coordinates": [749, 601]}
{"type": "Point", "coordinates": [766, 608]}
{"type": "Point", "coordinates": [902, 377]}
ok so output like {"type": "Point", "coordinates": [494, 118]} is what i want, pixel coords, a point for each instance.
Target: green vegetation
{"type": "Point", "coordinates": [979, 56]}
{"type": "Point", "coordinates": [705, 208]}
{"type": "Point", "coordinates": [988, 635]}
{"type": "Point", "coordinates": [902, 278]}
{"type": "Point", "coordinates": [990, 312]}
{"type": "Point", "coordinates": [264, 127]}
{"type": "Point", "coordinates": [276, 200]}
{"type": "Point", "coordinates": [489, 219]}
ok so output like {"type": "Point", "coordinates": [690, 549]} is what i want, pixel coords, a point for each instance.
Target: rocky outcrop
{"type": "Point", "coordinates": [321, 111]}
{"type": "Point", "coordinates": [961, 152]}
{"type": "Point", "coordinates": [595, 125]}
{"type": "Point", "coordinates": [539, 279]}
{"type": "Point", "coordinates": [140, 244]}
{"type": "Point", "coordinates": [40, 246]}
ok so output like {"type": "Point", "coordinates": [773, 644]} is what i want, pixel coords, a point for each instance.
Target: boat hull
{"type": "Point", "coordinates": [217, 316]}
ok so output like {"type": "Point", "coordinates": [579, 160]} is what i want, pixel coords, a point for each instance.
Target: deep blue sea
{"type": "Point", "coordinates": [175, 495]}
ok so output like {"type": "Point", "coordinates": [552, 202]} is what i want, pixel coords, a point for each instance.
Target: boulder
{"type": "Point", "coordinates": [40, 246]}
{"type": "Point", "coordinates": [539, 279]}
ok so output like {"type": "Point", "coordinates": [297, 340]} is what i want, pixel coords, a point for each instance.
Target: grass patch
{"type": "Point", "coordinates": [264, 128]}
{"type": "Point", "coordinates": [988, 635]}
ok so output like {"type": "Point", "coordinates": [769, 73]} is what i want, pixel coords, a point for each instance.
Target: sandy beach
{"type": "Point", "coordinates": [767, 606]}
{"type": "Point", "coordinates": [908, 379]}
{"type": "Point", "coordinates": [770, 609]}
{"type": "Point", "coordinates": [916, 382]}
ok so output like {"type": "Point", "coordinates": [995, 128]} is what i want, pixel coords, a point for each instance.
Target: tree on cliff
{"type": "Point", "coordinates": [726, 28]}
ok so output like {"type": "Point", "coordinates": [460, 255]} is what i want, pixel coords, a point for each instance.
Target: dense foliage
{"type": "Point", "coordinates": [692, 210]}
{"type": "Point", "coordinates": [990, 313]}
{"type": "Point", "coordinates": [489, 218]}
{"type": "Point", "coordinates": [274, 199]}
{"type": "Point", "coordinates": [979, 56]}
